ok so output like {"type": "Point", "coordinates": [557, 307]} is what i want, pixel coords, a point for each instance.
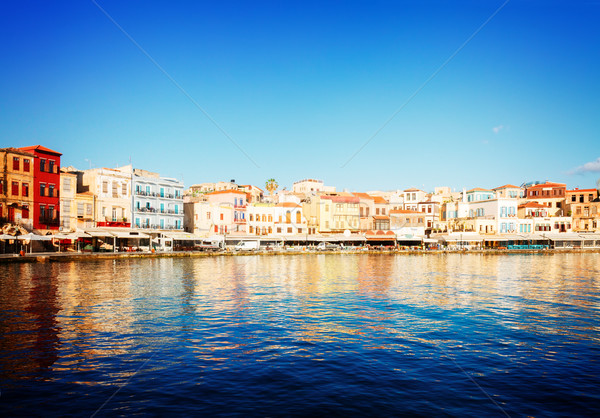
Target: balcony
{"type": "Point", "coordinates": [146, 210]}
{"type": "Point", "coordinates": [48, 221]}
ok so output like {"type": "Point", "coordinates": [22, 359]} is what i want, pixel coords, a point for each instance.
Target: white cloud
{"type": "Point", "coordinates": [498, 128]}
{"type": "Point", "coordinates": [591, 167]}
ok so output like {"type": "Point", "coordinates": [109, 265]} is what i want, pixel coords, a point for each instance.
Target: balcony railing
{"type": "Point", "coordinates": [161, 195]}
{"type": "Point", "coordinates": [48, 221]}
{"type": "Point", "coordinates": [154, 226]}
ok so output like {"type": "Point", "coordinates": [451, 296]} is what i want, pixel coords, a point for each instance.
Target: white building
{"type": "Point", "coordinates": [308, 186]}
{"type": "Point", "coordinates": [112, 189]}
{"type": "Point", "coordinates": [157, 201]}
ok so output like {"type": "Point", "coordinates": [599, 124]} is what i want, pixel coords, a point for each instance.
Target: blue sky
{"type": "Point", "coordinates": [300, 87]}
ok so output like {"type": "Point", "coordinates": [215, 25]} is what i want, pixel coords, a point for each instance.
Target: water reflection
{"type": "Point", "coordinates": [215, 321]}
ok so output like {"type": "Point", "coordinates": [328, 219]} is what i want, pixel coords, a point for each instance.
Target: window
{"type": "Point", "coordinates": [25, 189]}
{"type": "Point", "coordinates": [66, 184]}
{"type": "Point", "coordinates": [16, 161]}
{"type": "Point", "coordinates": [42, 189]}
{"type": "Point", "coordinates": [26, 165]}
{"type": "Point", "coordinates": [221, 216]}
{"type": "Point", "coordinates": [298, 217]}
{"type": "Point", "coordinates": [289, 230]}
{"type": "Point", "coordinates": [376, 211]}
{"type": "Point", "coordinates": [104, 186]}
{"type": "Point", "coordinates": [79, 209]}
{"type": "Point", "coordinates": [51, 166]}
{"type": "Point", "coordinates": [88, 209]}
{"type": "Point", "coordinates": [15, 188]}
{"type": "Point", "coordinates": [42, 164]}
{"type": "Point", "coordinates": [124, 189]}
{"type": "Point", "coordinates": [279, 230]}
{"type": "Point", "coordinates": [51, 190]}
{"type": "Point", "coordinates": [51, 212]}
{"type": "Point", "coordinates": [25, 212]}
{"type": "Point", "coordinates": [42, 211]}
{"type": "Point", "coordinates": [115, 190]}
{"type": "Point", "coordinates": [207, 215]}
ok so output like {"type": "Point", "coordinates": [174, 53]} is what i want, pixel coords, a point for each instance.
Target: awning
{"type": "Point", "coordinates": [6, 236]}
{"type": "Point", "coordinates": [129, 234]}
{"type": "Point", "coordinates": [98, 233]}
{"type": "Point", "coordinates": [182, 236]}
{"type": "Point", "coordinates": [380, 238]}
{"type": "Point", "coordinates": [462, 238]}
{"type": "Point", "coordinates": [34, 237]}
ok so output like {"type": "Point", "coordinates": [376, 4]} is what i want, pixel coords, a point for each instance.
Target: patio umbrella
{"type": "Point", "coordinates": [34, 237]}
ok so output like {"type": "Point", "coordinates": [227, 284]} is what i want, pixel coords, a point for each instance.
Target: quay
{"type": "Point", "coordinates": [83, 257]}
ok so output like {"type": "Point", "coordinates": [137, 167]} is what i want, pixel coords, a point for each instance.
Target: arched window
{"type": "Point", "coordinates": [298, 217]}
{"type": "Point", "coordinates": [288, 217]}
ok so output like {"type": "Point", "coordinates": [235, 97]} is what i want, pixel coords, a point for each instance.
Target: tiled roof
{"type": "Point", "coordinates": [379, 200]}
{"type": "Point", "coordinates": [479, 189]}
{"type": "Point", "coordinates": [17, 151]}
{"type": "Point", "coordinates": [548, 184]}
{"type": "Point", "coordinates": [225, 192]}
{"type": "Point", "coordinates": [532, 205]}
{"type": "Point", "coordinates": [404, 212]}
{"type": "Point", "coordinates": [341, 199]}
{"type": "Point", "coordinates": [288, 205]}
{"type": "Point", "coordinates": [363, 195]}
{"type": "Point", "coordinates": [414, 190]}
{"type": "Point", "coordinates": [39, 148]}
{"type": "Point", "coordinates": [381, 217]}
{"type": "Point", "coordinates": [581, 191]}
{"type": "Point", "coordinates": [507, 186]}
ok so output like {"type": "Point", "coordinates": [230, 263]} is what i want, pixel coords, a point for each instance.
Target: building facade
{"type": "Point", "coordinates": [46, 186]}
{"type": "Point", "coordinates": [16, 187]}
{"type": "Point", "coordinates": [157, 201]}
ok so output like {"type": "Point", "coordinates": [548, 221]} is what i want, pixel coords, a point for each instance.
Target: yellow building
{"type": "Point", "coordinates": [332, 213]}
{"type": "Point", "coordinates": [16, 187]}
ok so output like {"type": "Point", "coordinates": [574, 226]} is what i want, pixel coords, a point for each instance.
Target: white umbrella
{"type": "Point", "coordinates": [6, 236]}
{"type": "Point", "coordinates": [34, 237]}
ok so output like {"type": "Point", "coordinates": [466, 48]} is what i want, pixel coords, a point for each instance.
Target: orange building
{"type": "Point", "coordinates": [16, 187]}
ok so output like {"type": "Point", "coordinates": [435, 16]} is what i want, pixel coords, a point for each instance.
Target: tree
{"type": "Point", "coordinates": [271, 185]}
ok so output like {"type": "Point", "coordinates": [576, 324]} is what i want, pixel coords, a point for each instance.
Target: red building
{"type": "Point", "coordinates": [46, 183]}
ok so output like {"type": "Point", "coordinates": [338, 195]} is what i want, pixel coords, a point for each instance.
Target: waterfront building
{"type": "Point", "coordinates": [366, 209]}
{"type": "Point", "coordinates": [253, 193]}
{"type": "Point", "coordinates": [549, 194]}
{"type": "Point", "coordinates": [289, 219]}
{"type": "Point", "coordinates": [198, 218]}
{"type": "Point", "coordinates": [407, 223]}
{"type": "Point", "coordinates": [431, 212]}
{"type": "Point", "coordinates": [68, 191]}
{"type": "Point", "coordinates": [16, 187]}
{"type": "Point", "coordinates": [46, 184]}
{"type": "Point", "coordinates": [157, 201]}
{"type": "Point", "coordinates": [85, 209]}
{"type": "Point", "coordinates": [509, 190]}
{"type": "Point", "coordinates": [412, 197]}
{"type": "Point", "coordinates": [112, 190]}
{"type": "Point", "coordinates": [308, 186]}
{"type": "Point", "coordinates": [502, 211]}
{"type": "Point", "coordinates": [228, 211]}
{"type": "Point", "coordinates": [260, 218]}
{"type": "Point", "coordinates": [586, 216]}
{"type": "Point", "coordinates": [478, 194]}
{"type": "Point", "coordinates": [332, 213]}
